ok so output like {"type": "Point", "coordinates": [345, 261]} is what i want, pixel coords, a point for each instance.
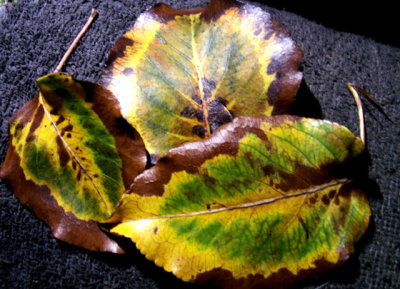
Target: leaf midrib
{"type": "Point", "coordinates": [200, 76]}
{"type": "Point", "coordinates": [247, 205]}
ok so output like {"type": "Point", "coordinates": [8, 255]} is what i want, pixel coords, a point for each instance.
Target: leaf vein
{"type": "Point", "coordinates": [248, 205]}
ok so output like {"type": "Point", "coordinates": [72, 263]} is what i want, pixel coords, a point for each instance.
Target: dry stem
{"type": "Point", "coordinates": [93, 14]}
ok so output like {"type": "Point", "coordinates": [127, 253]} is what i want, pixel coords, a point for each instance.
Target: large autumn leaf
{"type": "Point", "coordinates": [70, 158]}
{"type": "Point", "coordinates": [180, 74]}
{"type": "Point", "coordinates": [263, 202]}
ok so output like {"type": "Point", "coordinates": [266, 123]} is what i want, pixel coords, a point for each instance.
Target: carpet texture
{"type": "Point", "coordinates": [35, 34]}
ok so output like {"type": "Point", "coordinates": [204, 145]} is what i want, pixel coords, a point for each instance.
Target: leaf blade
{"type": "Point", "coordinates": [183, 73]}
{"type": "Point", "coordinates": [69, 147]}
{"type": "Point", "coordinates": [237, 208]}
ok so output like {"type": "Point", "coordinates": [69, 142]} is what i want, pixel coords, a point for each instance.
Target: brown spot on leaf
{"type": "Point", "coordinates": [55, 97]}
{"type": "Point", "coordinates": [155, 230]}
{"type": "Point", "coordinates": [268, 170]}
{"type": "Point", "coordinates": [199, 115]}
{"type": "Point", "coordinates": [62, 152]}
{"type": "Point", "coordinates": [18, 130]}
{"type": "Point", "coordinates": [222, 101]}
{"type": "Point", "coordinates": [218, 114]}
{"type": "Point", "coordinates": [36, 123]}
{"type": "Point", "coordinates": [186, 112]}
{"type": "Point", "coordinates": [20, 126]}
{"type": "Point", "coordinates": [199, 130]}
{"type": "Point", "coordinates": [312, 200]}
{"type": "Point", "coordinates": [189, 113]}
{"type": "Point", "coordinates": [69, 135]}
{"type": "Point", "coordinates": [208, 87]}
{"type": "Point", "coordinates": [197, 99]}
{"type": "Point", "coordinates": [302, 178]}
{"type": "Point", "coordinates": [65, 129]}
{"type": "Point", "coordinates": [127, 71]}
{"type": "Point", "coordinates": [30, 138]}
{"type": "Point", "coordinates": [332, 194]}
{"type": "Point", "coordinates": [60, 120]}
{"type": "Point", "coordinates": [37, 119]}
{"type": "Point", "coordinates": [54, 111]}
{"type": "Point", "coordinates": [325, 199]}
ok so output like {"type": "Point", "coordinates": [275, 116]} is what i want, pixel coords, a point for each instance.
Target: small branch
{"type": "Point", "coordinates": [322, 286]}
{"type": "Point", "coordinates": [374, 101]}
{"type": "Point", "coordinates": [357, 98]}
{"type": "Point", "coordinates": [93, 14]}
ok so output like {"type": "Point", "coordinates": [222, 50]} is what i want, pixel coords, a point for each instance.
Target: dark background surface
{"type": "Point", "coordinates": [377, 20]}
{"type": "Point", "coordinates": [35, 34]}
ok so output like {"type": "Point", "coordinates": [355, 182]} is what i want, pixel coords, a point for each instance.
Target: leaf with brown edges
{"type": "Point", "coordinates": [262, 203]}
{"type": "Point", "coordinates": [180, 74]}
{"type": "Point", "coordinates": [70, 158]}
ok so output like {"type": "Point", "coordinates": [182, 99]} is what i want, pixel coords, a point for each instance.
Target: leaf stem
{"type": "Point", "coordinates": [374, 101]}
{"type": "Point", "coordinates": [357, 98]}
{"type": "Point", "coordinates": [92, 16]}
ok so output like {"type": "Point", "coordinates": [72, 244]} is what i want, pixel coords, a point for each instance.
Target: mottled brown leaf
{"type": "Point", "coordinates": [70, 158]}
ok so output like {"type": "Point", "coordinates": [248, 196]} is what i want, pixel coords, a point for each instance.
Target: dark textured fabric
{"type": "Point", "coordinates": [35, 34]}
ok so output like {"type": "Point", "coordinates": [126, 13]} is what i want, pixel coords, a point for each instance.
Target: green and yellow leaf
{"type": "Point", "coordinates": [71, 149]}
{"type": "Point", "coordinates": [180, 74]}
{"type": "Point", "coordinates": [264, 201]}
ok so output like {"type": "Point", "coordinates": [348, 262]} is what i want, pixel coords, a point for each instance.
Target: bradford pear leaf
{"type": "Point", "coordinates": [71, 156]}
{"type": "Point", "coordinates": [264, 201]}
{"type": "Point", "coordinates": [180, 74]}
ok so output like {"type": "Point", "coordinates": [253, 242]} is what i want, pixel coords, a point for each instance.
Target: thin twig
{"type": "Point", "coordinates": [93, 14]}
{"type": "Point", "coordinates": [322, 286]}
{"type": "Point", "coordinates": [357, 98]}
{"type": "Point", "coordinates": [374, 101]}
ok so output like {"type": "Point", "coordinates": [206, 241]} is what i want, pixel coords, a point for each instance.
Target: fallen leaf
{"type": "Point", "coordinates": [180, 74]}
{"type": "Point", "coordinates": [71, 157]}
{"type": "Point", "coordinates": [264, 201]}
